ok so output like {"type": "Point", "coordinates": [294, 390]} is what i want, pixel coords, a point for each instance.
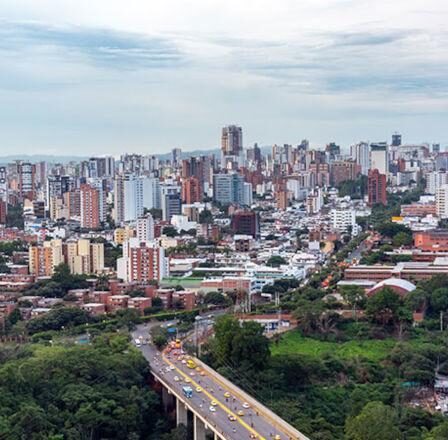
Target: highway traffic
{"type": "Point", "coordinates": [226, 410]}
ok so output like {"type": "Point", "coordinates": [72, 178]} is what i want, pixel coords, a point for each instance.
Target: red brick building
{"type": "Point", "coordinates": [376, 187]}
{"type": "Point", "coordinates": [434, 240]}
{"type": "Point", "coordinates": [191, 190]}
{"type": "Point", "coordinates": [90, 207]}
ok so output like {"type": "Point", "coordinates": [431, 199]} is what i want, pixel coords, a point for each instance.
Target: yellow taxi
{"type": "Point", "coordinates": [226, 394]}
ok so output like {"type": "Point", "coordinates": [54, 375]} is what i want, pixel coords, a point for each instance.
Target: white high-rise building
{"type": "Point", "coordinates": [379, 157]}
{"type": "Point", "coordinates": [145, 228]}
{"type": "Point", "coordinates": [361, 155]}
{"type": "Point", "coordinates": [442, 201]}
{"type": "Point", "coordinates": [247, 193]}
{"type": "Point", "coordinates": [133, 198]}
{"type": "Point", "coordinates": [151, 193]}
{"type": "Point", "coordinates": [434, 180]}
{"type": "Point", "coordinates": [128, 198]}
{"type": "Point", "coordinates": [133, 194]}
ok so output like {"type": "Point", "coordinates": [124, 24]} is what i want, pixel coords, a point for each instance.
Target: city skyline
{"type": "Point", "coordinates": [91, 79]}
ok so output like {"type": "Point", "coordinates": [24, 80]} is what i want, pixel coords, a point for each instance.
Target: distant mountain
{"type": "Point", "coordinates": [41, 158]}
{"type": "Point", "coordinates": [65, 159]}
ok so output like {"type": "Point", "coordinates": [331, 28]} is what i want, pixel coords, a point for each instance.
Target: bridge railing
{"type": "Point", "coordinates": [278, 422]}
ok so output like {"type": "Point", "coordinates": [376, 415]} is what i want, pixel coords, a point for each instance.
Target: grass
{"type": "Point", "coordinates": [294, 343]}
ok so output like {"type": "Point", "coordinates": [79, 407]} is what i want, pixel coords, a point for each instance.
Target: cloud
{"type": "Point", "coordinates": [151, 75]}
{"type": "Point", "coordinates": [104, 47]}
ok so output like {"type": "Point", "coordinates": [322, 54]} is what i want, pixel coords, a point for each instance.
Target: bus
{"type": "Point", "coordinates": [188, 391]}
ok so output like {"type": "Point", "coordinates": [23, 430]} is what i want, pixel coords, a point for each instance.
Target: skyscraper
{"type": "Point", "coordinates": [360, 153]}
{"type": "Point", "coordinates": [376, 187]}
{"type": "Point", "coordinates": [191, 190]}
{"type": "Point", "coordinates": [176, 156]}
{"type": "Point", "coordinates": [379, 157]}
{"type": "Point", "coordinates": [27, 180]}
{"type": "Point", "coordinates": [232, 145]}
{"type": "Point", "coordinates": [396, 140]}
{"type": "Point", "coordinates": [228, 188]}
{"type": "Point", "coordinates": [91, 212]}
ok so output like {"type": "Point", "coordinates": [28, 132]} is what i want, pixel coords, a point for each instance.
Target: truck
{"type": "Point", "coordinates": [188, 391]}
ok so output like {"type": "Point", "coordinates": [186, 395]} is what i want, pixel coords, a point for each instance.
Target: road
{"type": "Point", "coordinates": [255, 423]}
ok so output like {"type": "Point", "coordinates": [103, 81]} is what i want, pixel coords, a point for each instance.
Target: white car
{"type": "Point", "coordinates": [176, 378]}
{"type": "Point", "coordinates": [212, 409]}
{"type": "Point", "coordinates": [171, 367]}
{"type": "Point", "coordinates": [246, 405]}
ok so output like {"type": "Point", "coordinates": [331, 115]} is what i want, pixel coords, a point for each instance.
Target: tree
{"type": "Point", "coordinates": [402, 239]}
{"type": "Point", "coordinates": [438, 433]}
{"type": "Point", "coordinates": [417, 299]}
{"type": "Point", "coordinates": [250, 348]}
{"type": "Point", "coordinates": [170, 231]}
{"type": "Point", "coordinates": [206, 217]}
{"type": "Point", "coordinates": [383, 306]}
{"type": "Point", "coordinates": [439, 300]}
{"type": "Point", "coordinates": [354, 296]}
{"type": "Point", "coordinates": [376, 421]}
{"type": "Point", "coordinates": [276, 261]}
{"type": "Point", "coordinates": [58, 318]}
{"type": "Point", "coordinates": [308, 315]}
{"type": "Point", "coordinates": [216, 298]}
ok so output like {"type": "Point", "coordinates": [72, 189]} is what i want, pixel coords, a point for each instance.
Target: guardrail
{"type": "Point", "coordinates": [293, 433]}
{"type": "Point", "coordinates": [208, 424]}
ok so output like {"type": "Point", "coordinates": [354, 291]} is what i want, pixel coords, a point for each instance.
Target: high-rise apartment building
{"type": "Point", "coordinates": [142, 261]}
{"type": "Point", "coordinates": [434, 180]}
{"type": "Point", "coordinates": [228, 188]}
{"type": "Point", "coordinates": [91, 207]}
{"type": "Point", "coordinates": [43, 259]}
{"type": "Point", "coordinates": [27, 180]}
{"type": "Point", "coordinates": [144, 227]}
{"type": "Point", "coordinates": [191, 190]}
{"type": "Point", "coordinates": [360, 153]}
{"type": "Point", "coordinates": [442, 201]}
{"type": "Point", "coordinates": [84, 257]}
{"type": "Point", "coordinates": [132, 194]}
{"type": "Point", "coordinates": [176, 154]}
{"type": "Point", "coordinates": [379, 157]}
{"type": "Point", "coordinates": [376, 187]}
{"type": "Point", "coordinates": [232, 146]}
{"type": "Point", "coordinates": [101, 167]}
{"type": "Point", "coordinates": [171, 205]}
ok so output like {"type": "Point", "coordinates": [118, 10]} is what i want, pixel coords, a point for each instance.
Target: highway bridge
{"type": "Point", "coordinates": [217, 408]}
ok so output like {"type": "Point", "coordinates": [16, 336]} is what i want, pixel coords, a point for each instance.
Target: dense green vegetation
{"type": "Point", "coordinates": [59, 284]}
{"type": "Point", "coordinates": [334, 377]}
{"type": "Point", "coordinates": [294, 343]}
{"type": "Point", "coordinates": [72, 392]}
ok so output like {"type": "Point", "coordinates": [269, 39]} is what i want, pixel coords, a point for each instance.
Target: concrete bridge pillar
{"type": "Point", "coordinates": [181, 413]}
{"type": "Point", "coordinates": [167, 400]}
{"type": "Point", "coordinates": [199, 429]}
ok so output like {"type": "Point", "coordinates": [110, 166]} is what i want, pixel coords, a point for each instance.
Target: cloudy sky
{"type": "Point", "coordinates": [107, 76]}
